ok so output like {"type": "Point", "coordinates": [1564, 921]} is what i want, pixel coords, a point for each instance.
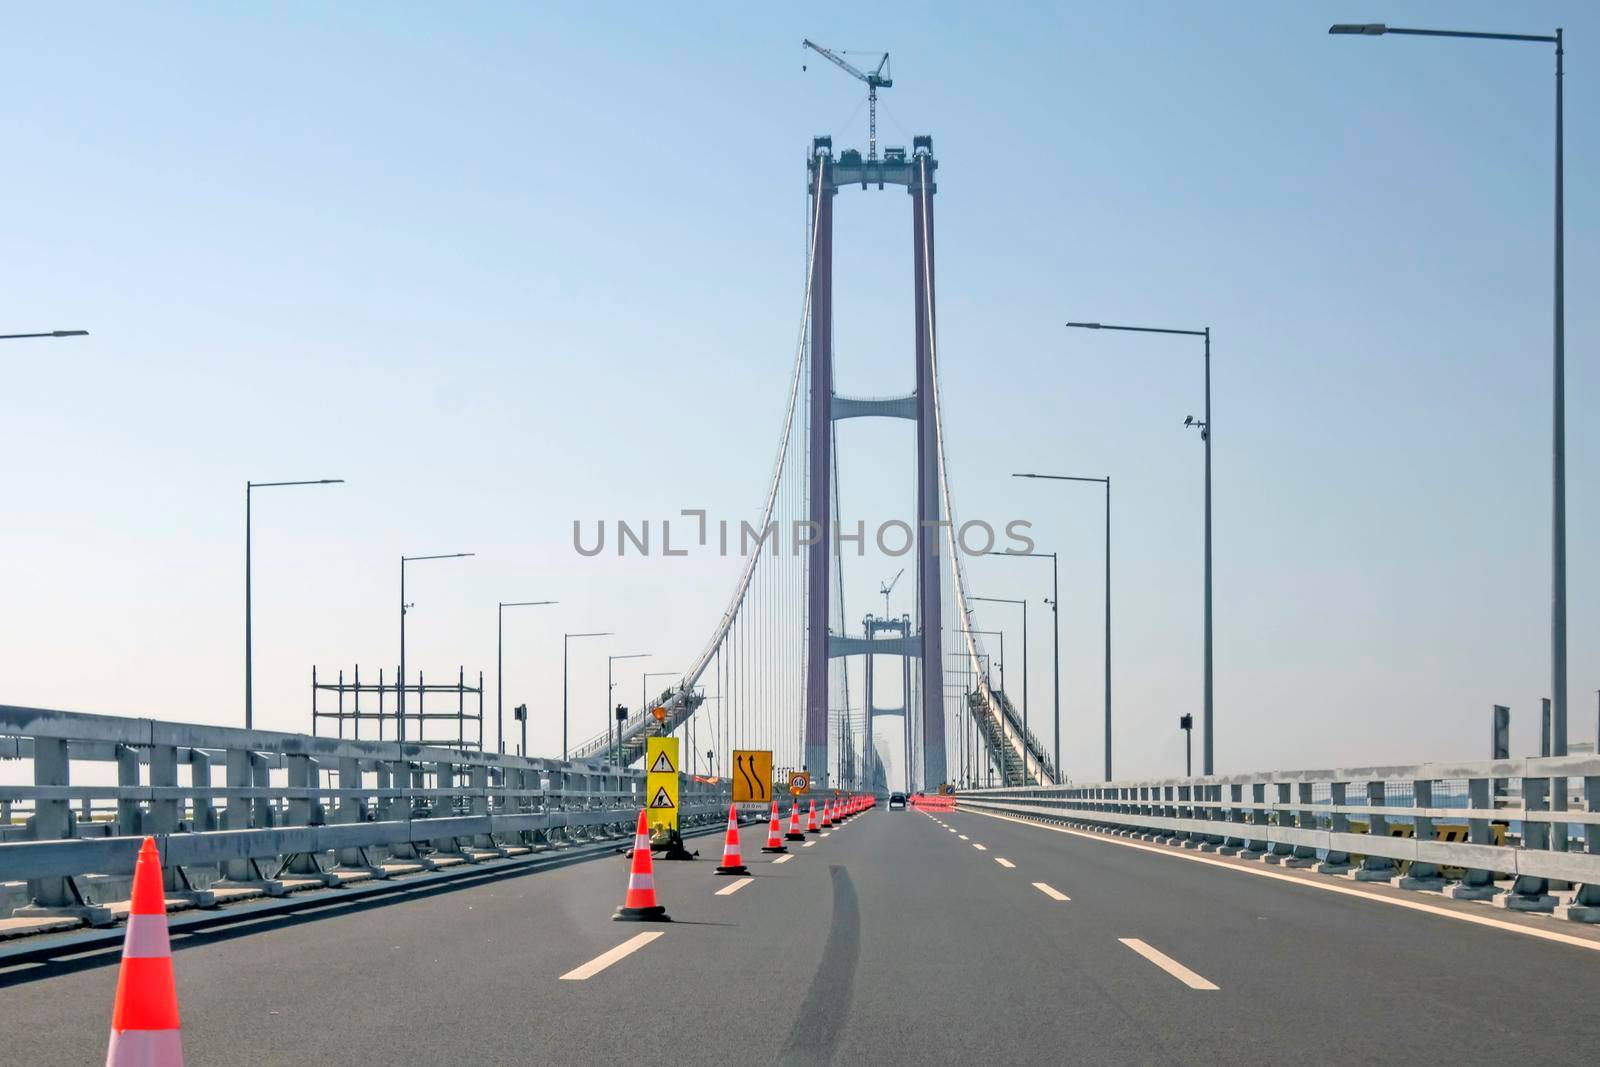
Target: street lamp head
{"type": "Point", "coordinates": [1085, 325]}
{"type": "Point", "coordinates": [69, 333]}
{"type": "Point", "coordinates": [447, 555]}
{"type": "Point", "coordinates": [1363, 29]}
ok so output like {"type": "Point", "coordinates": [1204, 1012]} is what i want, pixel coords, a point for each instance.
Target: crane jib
{"type": "Point", "coordinates": [878, 79]}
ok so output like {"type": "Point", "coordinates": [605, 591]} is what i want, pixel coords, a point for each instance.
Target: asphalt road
{"type": "Point", "coordinates": [894, 940]}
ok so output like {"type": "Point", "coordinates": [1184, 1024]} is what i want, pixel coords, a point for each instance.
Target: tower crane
{"type": "Point", "coordinates": [888, 587]}
{"type": "Point", "coordinates": [879, 78]}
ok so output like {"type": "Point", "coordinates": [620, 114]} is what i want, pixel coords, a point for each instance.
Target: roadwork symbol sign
{"type": "Point", "coordinates": [661, 781]}
{"type": "Point", "coordinates": [799, 783]}
{"type": "Point", "coordinates": [752, 775]}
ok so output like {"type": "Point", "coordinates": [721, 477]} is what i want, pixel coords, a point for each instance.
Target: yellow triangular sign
{"type": "Point", "coordinates": [661, 800]}
{"type": "Point", "coordinates": [662, 765]}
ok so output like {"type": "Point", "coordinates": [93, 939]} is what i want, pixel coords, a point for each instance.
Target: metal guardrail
{"type": "Point", "coordinates": [1443, 822]}
{"type": "Point", "coordinates": [291, 806]}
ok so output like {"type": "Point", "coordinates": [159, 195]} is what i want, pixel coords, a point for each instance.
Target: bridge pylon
{"type": "Point", "coordinates": [827, 176]}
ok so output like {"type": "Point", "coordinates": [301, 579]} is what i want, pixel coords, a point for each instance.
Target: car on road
{"type": "Point", "coordinates": [897, 801]}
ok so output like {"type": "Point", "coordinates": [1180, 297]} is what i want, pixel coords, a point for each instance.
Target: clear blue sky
{"type": "Point", "coordinates": [502, 267]}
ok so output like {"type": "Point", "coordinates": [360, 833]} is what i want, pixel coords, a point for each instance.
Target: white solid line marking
{"type": "Point", "coordinates": [980, 848]}
{"type": "Point", "coordinates": [1050, 891]}
{"type": "Point", "coordinates": [733, 887]}
{"type": "Point", "coordinates": [1002, 861]}
{"type": "Point", "coordinates": [962, 836]}
{"type": "Point", "coordinates": [606, 959]}
{"type": "Point", "coordinates": [785, 858]}
{"type": "Point", "coordinates": [1168, 964]}
{"type": "Point", "coordinates": [1327, 886]}
{"type": "Point", "coordinates": [808, 844]}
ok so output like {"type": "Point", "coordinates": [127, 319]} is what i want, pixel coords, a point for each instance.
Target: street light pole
{"type": "Point", "coordinates": [989, 684]}
{"type": "Point", "coordinates": [1558, 429]}
{"type": "Point", "coordinates": [249, 645]}
{"type": "Point", "coordinates": [1205, 429]}
{"type": "Point", "coordinates": [1024, 603]}
{"type": "Point", "coordinates": [610, 685]}
{"type": "Point", "coordinates": [644, 681]}
{"type": "Point", "coordinates": [1055, 648]}
{"type": "Point", "coordinates": [400, 717]}
{"type": "Point", "coordinates": [564, 639]}
{"type": "Point", "coordinates": [1106, 481]}
{"type": "Point", "coordinates": [500, 670]}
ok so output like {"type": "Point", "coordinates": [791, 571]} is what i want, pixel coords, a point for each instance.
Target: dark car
{"type": "Point", "coordinates": [897, 801]}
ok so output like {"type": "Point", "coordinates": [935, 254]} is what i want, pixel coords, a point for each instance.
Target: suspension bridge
{"type": "Point", "coordinates": [389, 897]}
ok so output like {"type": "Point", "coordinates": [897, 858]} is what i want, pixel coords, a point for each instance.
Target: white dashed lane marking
{"type": "Point", "coordinates": [606, 959]}
{"type": "Point", "coordinates": [1168, 964]}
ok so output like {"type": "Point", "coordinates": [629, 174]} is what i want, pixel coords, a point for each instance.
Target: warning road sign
{"type": "Point", "coordinates": [661, 781]}
{"type": "Point", "coordinates": [752, 775]}
{"type": "Point", "coordinates": [799, 783]}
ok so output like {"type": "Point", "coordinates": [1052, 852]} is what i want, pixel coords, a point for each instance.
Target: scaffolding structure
{"type": "Point", "coordinates": [390, 727]}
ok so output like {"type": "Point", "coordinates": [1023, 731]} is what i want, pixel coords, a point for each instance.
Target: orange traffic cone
{"type": "Point", "coordinates": [794, 833]}
{"type": "Point", "coordinates": [827, 814]}
{"type": "Point", "coordinates": [774, 833]}
{"type": "Point", "coordinates": [144, 1020]}
{"type": "Point", "coordinates": [640, 903]}
{"type": "Point", "coordinates": [811, 819]}
{"type": "Point", "coordinates": [732, 862]}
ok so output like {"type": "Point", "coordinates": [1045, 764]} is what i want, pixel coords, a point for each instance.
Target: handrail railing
{"type": "Point", "coordinates": [1470, 823]}
{"type": "Point", "coordinates": [288, 805]}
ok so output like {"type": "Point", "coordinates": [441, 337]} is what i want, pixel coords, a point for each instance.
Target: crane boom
{"type": "Point", "coordinates": [876, 80]}
{"type": "Point", "coordinates": [837, 60]}
{"type": "Point", "coordinates": [888, 587]}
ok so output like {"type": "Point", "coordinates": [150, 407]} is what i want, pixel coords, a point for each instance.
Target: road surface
{"type": "Point", "coordinates": [894, 940]}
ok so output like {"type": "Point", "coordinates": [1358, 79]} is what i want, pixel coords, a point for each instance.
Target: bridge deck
{"type": "Point", "coordinates": [894, 940]}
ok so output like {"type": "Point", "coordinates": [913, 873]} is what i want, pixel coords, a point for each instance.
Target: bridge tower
{"type": "Point", "coordinates": [826, 177]}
